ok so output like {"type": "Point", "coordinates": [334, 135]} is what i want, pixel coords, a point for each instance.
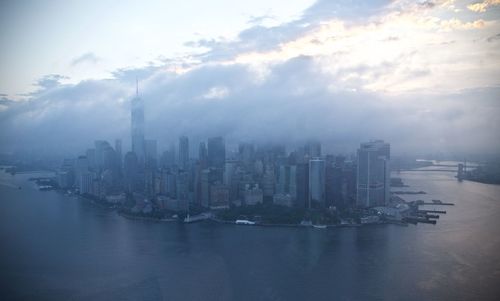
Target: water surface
{"type": "Point", "coordinates": [56, 247]}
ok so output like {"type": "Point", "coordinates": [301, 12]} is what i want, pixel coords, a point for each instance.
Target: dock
{"type": "Point", "coordinates": [431, 211]}
{"type": "Point", "coordinates": [434, 202]}
{"type": "Point", "coordinates": [415, 220]}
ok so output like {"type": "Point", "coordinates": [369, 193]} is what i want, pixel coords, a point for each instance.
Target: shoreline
{"type": "Point", "coordinates": [220, 221]}
{"type": "Point", "coordinates": [100, 204]}
{"type": "Point", "coordinates": [147, 219]}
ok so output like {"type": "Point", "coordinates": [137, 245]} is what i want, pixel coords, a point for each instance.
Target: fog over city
{"type": "Point", "coordinates": [423, 75]}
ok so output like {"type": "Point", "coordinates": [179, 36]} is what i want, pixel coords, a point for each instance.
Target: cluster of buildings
{"type": "Point", "coordinates": [254, 174]}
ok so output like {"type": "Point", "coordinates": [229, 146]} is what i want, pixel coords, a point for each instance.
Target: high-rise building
{"type": "Point", "coordinates": [246, 154]}
{"type": "Point", "coordinates": [216, 152]}
{"type": "Point", "coordinates": [203, 155]}
{"type": "Point", "coordinates": [316, 183]}
{"type": "Point", "coordinates": [183, 152]}
{"type": "Point", "coordinates": [168, 156]}
{"type": "Point", "coordinates": [252, 195]}
{"type": "Point", "coordinates": [267, 183]}
{"type": "Point", "coordinates": [91, 159]}
{"type": "Point", "coordinates": [219, 196]}
{"type": "Point", "coordinates": [373, 176]}
{"type": "Point", "coordinates": [81, 167]}
{"type": "Point", "coordinates": [217, 157]}
{"type": "Point", "coordinates": [132, 181]}
{"type": "Point", "coordinates": [118, 150]}
{"type": "Point", "coordinates": [283, 179]}
{"type": "Point", "coordinates": [302, 180]}
{"type": "Point", "coordinates": [182, 185]}
{"type": "Point", "coordinates": [137, 127]}
{"type": "Point", "coordinates": [313, 149]}
{"type": "Point", "coordinates": [229, 170]}
{"type": "Point", "coordinates": [149, 185]}
{"type": "Point", "coordinates": [151, 153]}
{"type": "Point", "coordinates": [287, 181]}
{"type": "Point", "coordinates": [349, 186]}
{"type": "Point", "coordinates": [171, 187]}
{"type": "Point", "coordinates": [292, 182]}
{"type": "Point", "coordinates": [85, 183]}
{"type": "Point", "coordinates": [109, 159]}
{"type": "Point", "coordinates": [333, 183]}
{"type": "Point", "coordinates": [100, 147]}
{"type": "Point", "coordinates": [205, 182]}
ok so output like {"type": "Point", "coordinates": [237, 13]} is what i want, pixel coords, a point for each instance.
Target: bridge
{"type": "Point", "coordinates": [430, 170]}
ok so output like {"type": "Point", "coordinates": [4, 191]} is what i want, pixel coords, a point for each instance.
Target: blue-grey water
{"type": "Point", "coordinates": [56, 247]}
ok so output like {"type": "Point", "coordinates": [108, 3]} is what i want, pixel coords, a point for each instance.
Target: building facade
{"type": "Point", "coordinates": [373, 174]}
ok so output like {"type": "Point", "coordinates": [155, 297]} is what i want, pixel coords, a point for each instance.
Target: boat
{"type": "Point", "coordinates": [45, 187]}
{"type": "Point", "coordinates": [306, 223]}
{"type": "Point", "coordinates": [319, 226]}
{"type": "Point", "coordinates": [244, 222]}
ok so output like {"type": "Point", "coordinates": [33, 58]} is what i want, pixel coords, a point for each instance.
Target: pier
{"type": "Point", "coordinates": [415, 220]}
{"type": "Point", "coordinates": [432, 211]}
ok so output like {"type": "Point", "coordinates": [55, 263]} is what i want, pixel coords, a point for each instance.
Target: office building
{"type": "Point", "coordinates": [183, 152]}
{"type": "Point", "coordinates": [316, 183]}
{"type": "Point", "coordinates": [216, 152]}
{"type": "Point", "coordinates": [151, 153]}
{"type": "Point", "coordinates": [373, 175]}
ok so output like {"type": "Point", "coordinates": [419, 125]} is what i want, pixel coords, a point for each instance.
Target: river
{"type": "Point", "coordinates": [57, 247]}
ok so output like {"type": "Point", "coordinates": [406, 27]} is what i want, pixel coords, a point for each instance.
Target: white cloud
{"type": "Point", "coordinates": [480, 7]}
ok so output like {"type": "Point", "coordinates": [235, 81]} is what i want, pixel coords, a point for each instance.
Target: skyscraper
{"type": "Point", "coordinates": [168, 156]}
{"type": "Point", "coordinates": [313, 149]}
{"type": "Point", "coordinates": [373, 177]}
{"type": "Point", "coordinates": [132, 179]}
{"type": "Point", "coordinates": [209, 177]}
{"type": "Point", "coordinates": [151, 153]}
{"type": "Point", "coordinates": [216, 152]}
{"type": "Point", "coordinates": [246, 154]}
{"type": "Point", "coordinates": [287, 182]}
{"type": "Point", "coordinates": [334, 181]}
{"type": "Point", "coordinates": [81, 167]}
{"type": "Point", "coordinates": [302, 185]}
{"type": "Point", "coordinates": [203, 155]}
{"type": "Point", "coordinates": [91, 157]}
{"type": "Point", "coordinates": [118, 150]}
{"type": "Point", "coordinates": [268, 183]}
{"type": "Point", "coordinates": [316, 183]}
{"type": "Point", "coordinates": [100, 146]}
{"type": "Point", "coordinates": [217, 155]}
{"type": "Point", "coordinates": [137, 126]}
{"type": "Point", "coordinates": [183, 152]}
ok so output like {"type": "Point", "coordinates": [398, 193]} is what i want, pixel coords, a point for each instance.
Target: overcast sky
{"type": "Point", "coordinates": [423, 75]}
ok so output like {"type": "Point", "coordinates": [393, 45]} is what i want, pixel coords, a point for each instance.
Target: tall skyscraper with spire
{"type": "Point", "coordinates": [137, 126]}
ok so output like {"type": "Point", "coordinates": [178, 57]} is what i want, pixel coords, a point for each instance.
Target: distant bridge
{"type": "Point", "coordinates": [432, 170]}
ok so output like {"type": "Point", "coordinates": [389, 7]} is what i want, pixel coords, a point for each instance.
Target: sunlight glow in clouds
{"type": "Point", "coordinates": [411, 39]}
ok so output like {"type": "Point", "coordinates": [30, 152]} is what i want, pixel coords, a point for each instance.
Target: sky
{"type": "Point", "coordinates": [422, 75]}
